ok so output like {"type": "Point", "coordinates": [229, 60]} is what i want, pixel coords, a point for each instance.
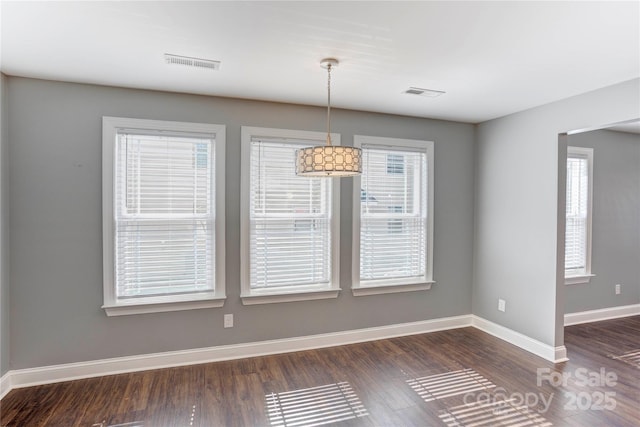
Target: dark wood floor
{"type": "Point", "coordinates": [461, 377]}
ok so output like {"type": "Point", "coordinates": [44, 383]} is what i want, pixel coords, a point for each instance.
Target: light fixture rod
{"type": "Point", "coordinates": [329, 63]}
{"type": "Point", "coordinates": [329, 104]}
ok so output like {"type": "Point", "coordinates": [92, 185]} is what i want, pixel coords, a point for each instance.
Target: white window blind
{"type": "Point", "coordinates": [164, 215]}
{"type": "Point", "coordinates": [577, 239]}
{"type": "Point", "coordinates": [289, 236]}
{"type": "Point", "coordinates": [393, 215]}
{"type": "Point", "coordinates": [290, 220]}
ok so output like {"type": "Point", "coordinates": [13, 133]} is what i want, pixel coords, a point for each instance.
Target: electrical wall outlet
{"type": "Point", "coordinates": [502, 305]}
{"type": "Point", "coordinates": [618, 289]}
{"type": "Point", "coordinates": [228, 320]}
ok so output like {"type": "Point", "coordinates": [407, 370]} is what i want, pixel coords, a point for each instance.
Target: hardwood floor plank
{"type": "Point", "coordinates": [243, 400]}
{"type": "Point", "coordinates": [37, 406]}
{"type": "Point", "coordinates": [66, 412]}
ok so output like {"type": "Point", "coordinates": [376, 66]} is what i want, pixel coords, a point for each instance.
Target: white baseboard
{"type": "Point", "coordinates": [553, 354]}
{"type": "Point", "coordinates": [71, 371]}
{"type": "Point", "coordinates": [95, 368]}
{"type": "Point", "coordinates": [5, 384]}
{"type": "Point", "coordinates": [601, 314]}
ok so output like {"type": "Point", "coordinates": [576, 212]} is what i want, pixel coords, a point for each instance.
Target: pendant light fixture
{"type": "Point", "coordinates": [329, 160]}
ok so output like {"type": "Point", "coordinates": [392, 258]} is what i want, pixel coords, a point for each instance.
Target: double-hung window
{"type": "Point", "coordinates": [163, 215]}
{"type": "Point", "coordinates": [577, 259]}
{"type": "Point", "coordinates": [393, 217]}
{"type": "Point", "coordinates": [289, 232]}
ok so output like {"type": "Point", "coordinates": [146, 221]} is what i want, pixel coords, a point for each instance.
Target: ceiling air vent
{"type": "Point", "coordinates": [429, 93]}
{"type": "Point", "coordinates": [192, 62]}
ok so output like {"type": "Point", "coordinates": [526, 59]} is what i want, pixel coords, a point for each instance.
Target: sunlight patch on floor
{"type": "Point", "coordinates": [315, 406]}
{"type": "Point", "coordinates": [631, 357]}
{"type": "Point", "coordinates": [131, 424]}
{"type": "Point", "coordinates": [495, 413]}
{"type": "Point", "coordinates": [449, 384]}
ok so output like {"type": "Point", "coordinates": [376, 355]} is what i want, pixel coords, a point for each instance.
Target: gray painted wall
{"type": "Point", "coordinates": [615, 223]}
{"type": "Point", "coordinates": [55, 219]}
{"type": "Point", "coordinates": [516, 209]}
{"type": "Point", "coordinates": [4, 231]}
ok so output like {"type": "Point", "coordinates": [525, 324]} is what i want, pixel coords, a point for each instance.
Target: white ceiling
{"type": "Point", "coordinates": [491, 58]}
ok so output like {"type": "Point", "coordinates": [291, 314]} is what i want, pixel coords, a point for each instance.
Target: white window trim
{"type": "Point", "coordinates": [578, 280]}
{"type": "Point", "coordinates": [216, 298]}
{"type": "Point", "coordinates": [394, 285]}
{"type": "Point", "coordinates": [249, 296]}
{"type": "Point", "coordinates": [586, 277]}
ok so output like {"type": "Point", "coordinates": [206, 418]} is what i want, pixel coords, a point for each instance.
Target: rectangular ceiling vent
{"type": "Point", "coordinates": [429, 93]}
{"type": "Point", "coordinates": [192, 62]}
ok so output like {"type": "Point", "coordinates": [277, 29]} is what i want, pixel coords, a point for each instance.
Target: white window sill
{"type": "Point", "coordinates": [359, 291]}
{"type": "Point", "coordinates": [577, 280]}
{"type": "Point", "coordinates": [258, 297]}
{"type": "Point", "coordinates": [163, 304]}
